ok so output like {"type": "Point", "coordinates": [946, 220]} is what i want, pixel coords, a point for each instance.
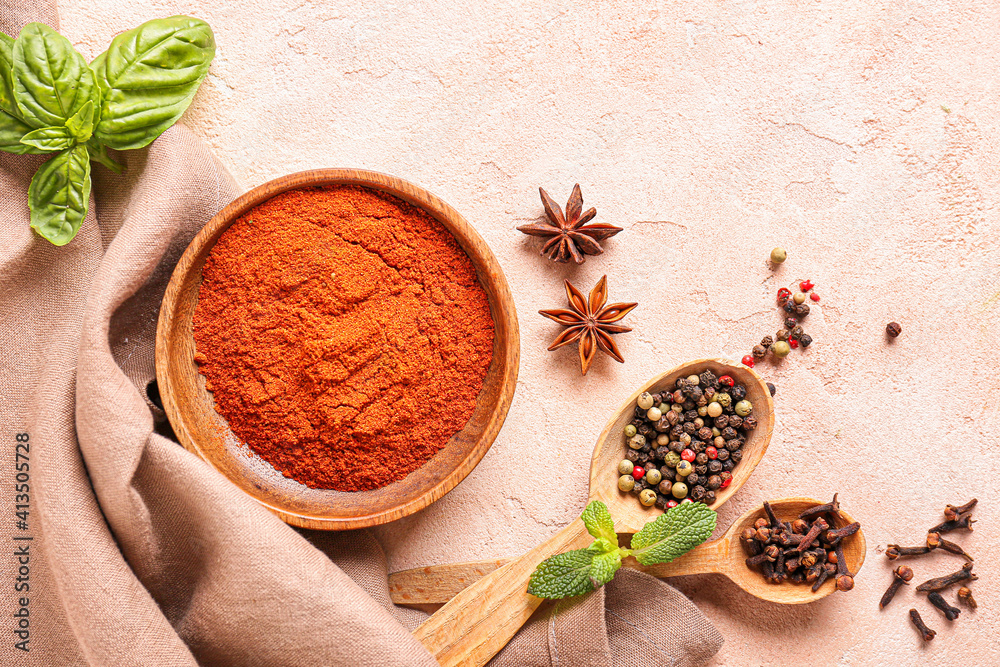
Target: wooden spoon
{"type": "Point", "coordinates": [439, 583]}
{"type": "Point", "coordinates": [481, 619]}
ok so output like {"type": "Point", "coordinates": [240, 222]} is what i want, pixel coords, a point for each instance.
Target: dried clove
{"type": "Point", "coordinates": [963, 521]}
{"type": "Point", "coordinates": [901, 575]}
{"type": "Point", "coordinates": [763, 534]}
{"type": "Point", "coordinates": [925, 632]}
{"type": "Point", "coordinates": [750, 545]}
{"type": "Point", "coordinates": [935, 541]}
{"type": "Point", "coordinates": [845, 581]}
{"type": "Point", "coordinates": [936, 599]}
{"type": "Point", "coordinates": [769, 554]}
{"type": "Point", "coordinates": [770, 515]}
{"type": "Point", "coordinates": [833, 506]}
{"type": "Point", "coordinates": [951, 513]}
{"type": "Point", "coordinates": [965, 595]}
{"type": "Point", "coordinates": [839, 533]}
{"type": "Point", "coordinates": [819, 525]}
{"type": "Point", "coordinates": [828, 571]}
{"type": "Point", "coordinates": [894, 551]}
{"type": "Point", "coordinates": [941, 583]}
{"type": "Point", "coordinates": [800, 526]}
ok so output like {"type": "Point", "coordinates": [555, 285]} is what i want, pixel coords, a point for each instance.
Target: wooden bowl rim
{"type": "Point", "coordinates": [466, 235]}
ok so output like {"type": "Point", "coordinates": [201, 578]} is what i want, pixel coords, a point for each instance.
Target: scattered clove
{"type": "Point", "coordinates": [963, 521]}
{"type": "Point", "coordinates": [894, 551]}
{"type": "Point", "coordinates": [941, 583]}
{"type": "Point", "coordinates": [901, 575]}
{"type": "Point", "coordinates": [965, 595]}
{"type": "Point", "coordinates": [936, 599]}
{"type": "Point", "coordinates": [935, 541]}
{"type": "Point", "coordinates": [925, 632]}
{"type": "Point", "coordinates": [951, 513]}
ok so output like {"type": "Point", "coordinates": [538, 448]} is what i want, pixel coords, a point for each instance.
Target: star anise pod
{"type": "Point", "coordinates": [590, 322]}
{"type": "Point", "coordinates": [570, 235]}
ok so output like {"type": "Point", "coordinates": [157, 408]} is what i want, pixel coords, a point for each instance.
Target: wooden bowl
{"type": "Point", "coordinates": [191, 408]}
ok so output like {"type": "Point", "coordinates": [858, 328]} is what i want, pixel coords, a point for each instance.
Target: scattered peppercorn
{"type": "Point", "coordinates": [806, 285]}
{"type": "Point", "coordinates": [893, 329]}
{"type": "Point", "coordinates": [748, 361]}
{"type": "Point", "coordinates": [778, 255]}
{"type": "Point", "coordinates": [781, 349]}
{"type": "Point", "coordinates": [771, 388]}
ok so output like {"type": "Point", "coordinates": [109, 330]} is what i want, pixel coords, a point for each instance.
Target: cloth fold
{"type": "Point", "coordinates": [141, 554]}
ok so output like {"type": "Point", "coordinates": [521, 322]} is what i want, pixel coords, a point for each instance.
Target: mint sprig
{"type": "Point", "coordinates": [669, 536]}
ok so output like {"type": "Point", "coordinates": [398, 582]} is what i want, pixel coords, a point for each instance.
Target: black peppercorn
{"type": "Point", "coordinates": [704, 433]}
{"type": "Point", "coordinates": [690, 428]}
{"type": "Point", "coordinates": [650, 466]}
{"type": "Point", "coordinates": [639, 414]}
{"type": "Point", "coordinates": [690, 414]}
{"type": "Point", "coordinates": [790, 322]}
{"type": "Point", "coordinates": [701, 459]}
{"type": "Point", "coordinates": [676, 431]}
{"type": "Point", "coordinates": [710, 393]}
{"type": "Point", "coordinates": [676, 446]}
{"type": "Point", "coordinates": [770, 387]}
{"type": "Point", "coordinates": [723, 456]}
{"type": "Point", "coordinates": [796, 333]}
{"type": "Point", "coordinates": [648, 447]}
{"type": "Point", "coordinates": [698, 493]}
{"type": "Point", "coordinates": [702, 470]}
{"type": "Point", "coordinates": [782, 335]}
{"type": "Point", "coordinates": [709, 497]}
{"type": "Point", "coordinates": [893, 329]}
{"type": "Point", "coordinates": [729, 433]}
{"type": "Point", "coordinates": [661, 452]}
{"type": "Point", "coordinates": [736, 456]}
{"type": "Point", "coordinates": [759, 351]}
{"type": "Point", "coordinates": [727, 465]}
{"type": "Point", "coordinates": [661, 502]}
{"type": "Point", "coordinates": [802, 310]}
{"type": "Point", "coordinates": [750, 423]}
{"type": "Point", "coordinates": [690, 406]}
{"type": "Point", "coordinates": [632, 455]}
{"type": "Point", "coordinates": [709, 379]}
{"type": "Point", "coordinates": [734, 444]}
{"type": "Point", "coordinates": [642, 457]}
{"type": "Point", "coordinates": [645, 430]}
{"type": "Point", "coordinates": [698, 446]}
{"type": "Point", "coordinates": [735, 421]}
{"type": "Point", "coordinates": [738, 393]}
{"type": "Point", "coordinates": [722, 421]}
{"type": "Point", "coordinates": [665, 486]}
{"type": "Point", "coordinates": [692, 479]}
{"type": "Point", "coordinates": [805, 340]}
{"type": "Point", "coordinates": [678, 396]}
{"type": "Point", "coordinates": [715, 466]}
{"type": "Point", "coordinates": [789, 307]}
{"type": "Point", "coordinates": [714, 482]}
{"type": "Point", "coordinates": [767, 341]}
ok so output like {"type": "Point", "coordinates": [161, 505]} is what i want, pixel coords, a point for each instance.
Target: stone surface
{"type": "Point", "coordinates": [861, 136]}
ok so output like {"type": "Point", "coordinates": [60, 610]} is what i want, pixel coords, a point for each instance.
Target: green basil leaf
{"type": "Point", "coordinates": [7, 102]}
{"type": "Point", "coordinates": [49, 139]}
{"type": "Point", "coordinates": [60, 194]}
{"type": "Point", "coordinates": [81, 125]}
{"type": "Point", "coordinates": [51, 80]}
{"type": "Point", "coordinates": [12, 129]}
{"type": "Point", "coordinates": [148, 77]}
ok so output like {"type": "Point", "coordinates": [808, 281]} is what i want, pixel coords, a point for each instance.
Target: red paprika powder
{"type": "Point", "coordinates": [344, 335]}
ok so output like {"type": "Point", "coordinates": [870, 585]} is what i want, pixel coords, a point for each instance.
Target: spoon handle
{"type": "Point", "coordinates": [436, 584]}
{"type": "Point", "coordinates": [481, 619]}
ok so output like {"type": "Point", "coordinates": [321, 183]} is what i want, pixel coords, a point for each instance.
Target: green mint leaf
{"type": "Point", "coordinates": [148, 77]}
{"type": "Point", "coordinates": [60, 194]}
{"type": "Point", "coordinates": [563, 575]}
{"type": "Point", "coordinates": [49, 139]}
{"type": "Point", "coordinates": [51, 81]}
{"type": "Point", "coordinates": [673, 533]}
{"type": "Point", "coordinates": [602, 546]}
{"type": "Point", "coordinates": [599, 523]}
{"type": "Point", "coordinates": [603, 569]}
{"type": "Point", "coordinates": [81, 124]}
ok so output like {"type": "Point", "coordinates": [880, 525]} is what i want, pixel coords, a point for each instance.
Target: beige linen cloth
{"type": "Point", "coordinates": [140, 554]}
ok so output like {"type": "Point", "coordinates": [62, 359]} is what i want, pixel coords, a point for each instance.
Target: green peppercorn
{"type": "Point", "coordinates": [703, 411]}
{"type": "Point", "coordinates": [626, 483]}
{"type": "Point", "coordinates": [653, 476]}
{"type": "Point", "coordinates": [625, 467]}
{"type": "Point", "coordinates": [647, 497]}
{"type": "Point", "coordinates": [653, 414]}
{"type": "Point", "coordinates": [637, 441]}
{"type": "Point", "coordinates": [679, 490]}
{"type": "Point", "coordinates": [781, 349]}
{"type": "Point", "coordinates": [663, 408]}
{"type": "Point", "coordinates": [743, 408]}
{"type": "Point", "coordinates": [684, 468]}
{"type": "Point", "coordinates": [778, 255]}
{"type": "Point", "coordinates": [629, 430]}
{"type": "Point", "coordinates": [714, 409]}
{"type": "Point", "coordinates": [645, 401]}
{"type": "Point", "coordinates": [724, 399]}
{"type": "Point", "coordinates": [671, 459]}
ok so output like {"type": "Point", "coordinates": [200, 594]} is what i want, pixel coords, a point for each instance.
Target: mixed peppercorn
{"type": "Point", "coordinates": [809, 550]}
{"type": "Point", "coordinates": [683, 444]}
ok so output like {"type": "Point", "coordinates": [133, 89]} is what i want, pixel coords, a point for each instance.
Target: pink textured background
{"type": "Point", "coordinates": [859, 135]}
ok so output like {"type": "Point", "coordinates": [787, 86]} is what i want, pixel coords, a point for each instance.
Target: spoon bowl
{"type": "Point", "coordinates": [478, 622]}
